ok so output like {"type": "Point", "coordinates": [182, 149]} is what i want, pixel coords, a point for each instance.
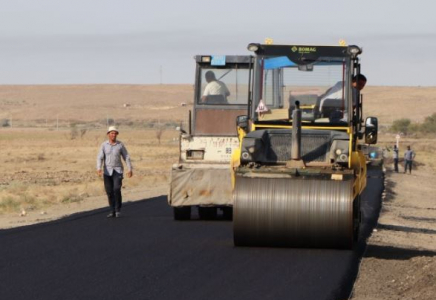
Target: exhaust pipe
{"type": "Point", "coordinates": [296, 161]}
{"type": "Point", "coordinates": [296, 132]}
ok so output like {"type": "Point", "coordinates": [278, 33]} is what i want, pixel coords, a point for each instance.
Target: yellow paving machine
{"type": "Point", "coordinates": [299, 172]}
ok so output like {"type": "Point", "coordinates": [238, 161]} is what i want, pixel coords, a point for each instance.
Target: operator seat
{"type": "Point", "coordinates": [309, 100]}
{"type": "Point", "coordinates": [328, 106]}
{"type": "Point", "coordinates": [216, 99]}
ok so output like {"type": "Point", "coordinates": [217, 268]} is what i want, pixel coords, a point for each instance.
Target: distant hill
{"type": "Point", "coordinates": [87, 103]}
{"type": "Point", "coordinates": [392, 103]}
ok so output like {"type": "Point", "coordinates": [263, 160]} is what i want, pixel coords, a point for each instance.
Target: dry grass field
{"type": "Point", "coordinates": [46, 167]}
{"type": "Point", "coordinates": [60, 106]}
{"type": "Point", "coordinates": [392, 103]}
{"type": "Point", "coordinates": [50, 136]}
{"type": "Point", "coordinates": [49, 153]}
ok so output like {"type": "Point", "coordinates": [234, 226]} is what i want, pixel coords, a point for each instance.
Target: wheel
{"type": "Point", "coordinates": [228, 213]}
{"type": "Point", "coordinates": [182, 213]}
{"type": "Point", "coordinates": [207, 213]}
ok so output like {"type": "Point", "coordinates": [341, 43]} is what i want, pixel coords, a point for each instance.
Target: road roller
{"type": "Point", "coordinates": [201, 178]}
{"type": "Point", "coordinates": [299, 170]}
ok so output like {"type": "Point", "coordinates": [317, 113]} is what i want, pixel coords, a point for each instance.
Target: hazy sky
{"type": "Point", "coordinates": [130, 41]}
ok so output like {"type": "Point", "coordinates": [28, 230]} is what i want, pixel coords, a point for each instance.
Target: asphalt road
{"type": "Point", "coordinates": [146, 255]}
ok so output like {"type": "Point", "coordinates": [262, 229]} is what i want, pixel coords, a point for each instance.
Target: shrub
{"type": "Point", "coordinates": [401, 125]}
{"type": "Point", "coordinates": [5, 123]}
{"type": "Point", "coordinates": [9, 204]}
{"type": "Point", "coordinates": [159, 131]}
{"type": "Point", "coordinates": [74, 133]}
{"type": "Point", "coordinates": [83, 131]}
{"type": "Point", "coordinates": [429, 125]}
{"type": "Point", "coordinates": [71, 197]}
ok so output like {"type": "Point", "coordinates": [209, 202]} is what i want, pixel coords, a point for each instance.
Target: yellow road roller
{"type": "Point", "coordinates": [299, 172]}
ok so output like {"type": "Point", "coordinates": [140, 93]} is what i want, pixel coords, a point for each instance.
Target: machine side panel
{"type": "Point", "coordinates": [208, 186]}
{"type": "Point", "coordinates": [214, 149]}
{"type": "Point", "coordinates": [217, 121]}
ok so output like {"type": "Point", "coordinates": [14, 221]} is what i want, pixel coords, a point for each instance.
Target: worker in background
{"type": "Point", "coordinates": [395, 157]}
{"type": "Point", "coordinates": [409, 156]}
{"type": "Point", "coordinates": [111, 152]}
{"type": "Point", "coordinates": [358, 82]}
{"type": "Point", "coordinates": [214, 87]}
{"type": "Point", "coordinates": [335, 92]}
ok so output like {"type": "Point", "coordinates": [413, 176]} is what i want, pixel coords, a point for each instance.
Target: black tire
{"type": "Point", "coordinates": [228, 213]}
{"type": "Point", "coordinates": [207, 213]}
{"type": "Point", "coordinates": [182, 213]}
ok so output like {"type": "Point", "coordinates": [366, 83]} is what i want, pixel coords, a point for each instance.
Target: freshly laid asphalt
{"type": "Point", "coordinates": [145, 254]}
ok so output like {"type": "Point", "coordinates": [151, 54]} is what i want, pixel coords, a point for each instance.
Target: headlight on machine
{"type": "Point", "coordinates": [341, 155]}
{"type": "Point", "coordinates": [250, 149]}
{"type": "Point", "coordinates": [339, 152]}
{"type": "Point", "coordinates": [343, 158]}
{"type": "Point", "coordinates": [245, 156]}
{"type": "Point", "coordinates": [195, 154]}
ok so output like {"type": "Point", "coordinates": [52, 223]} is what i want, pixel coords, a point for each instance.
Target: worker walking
{"type": "Point", "coordinates": [395, 157]}
{"type": "Point", "coordinates": [409, 155]}
{"type": "Point", "coordinates": [110, 153]}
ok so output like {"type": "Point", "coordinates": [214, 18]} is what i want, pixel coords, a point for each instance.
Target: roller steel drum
{"type": "Point", "coordinates": [283, 212]}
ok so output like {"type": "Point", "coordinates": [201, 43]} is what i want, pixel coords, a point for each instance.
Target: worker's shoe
{"type": "Point", "coordinates": [111, 215]}
{"type": "Point", "coordinates": [117, 214]}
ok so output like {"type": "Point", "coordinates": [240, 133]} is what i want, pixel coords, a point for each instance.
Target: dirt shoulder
{"type": "Point", "coordinates": [400, 260]}
{"type": "Point", "coordinates": [29, 217]}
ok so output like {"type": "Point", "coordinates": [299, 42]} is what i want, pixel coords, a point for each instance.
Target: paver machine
{"type": "Point", "coordinates": [202, 178]}
{"type": "Point", "coordinates": [299, 172]}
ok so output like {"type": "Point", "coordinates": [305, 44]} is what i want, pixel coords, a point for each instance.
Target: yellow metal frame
{"type": "Point", "coordinates": [356, 160]}
{"type": "Point", "coordinates": [343, 128]}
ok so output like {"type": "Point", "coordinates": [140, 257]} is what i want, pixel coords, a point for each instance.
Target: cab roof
{"type": "Point", "coordinates": [307, 53]}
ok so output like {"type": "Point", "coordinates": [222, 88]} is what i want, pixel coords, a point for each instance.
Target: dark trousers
{"type": "Point", "coordinates": [396, 164]}
{"type": "Point", "coordinates": [407, 165]}
{"type": "Point", "coordinates": [112, 185]}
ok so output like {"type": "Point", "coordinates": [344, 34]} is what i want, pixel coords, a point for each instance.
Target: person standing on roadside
{"type": "Point", "coordinates": [395, 156]}
{"type": "Point", "coordinates": [109, 155]}
{"type": "Point", "coordinates": [409, 156]}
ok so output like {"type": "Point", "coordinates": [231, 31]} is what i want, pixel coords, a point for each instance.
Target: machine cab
{"type": "Point", "coordinates": [221, 93]}
{"type": "Point", "coordinates": [220, 96]}
{"type": "Point", "coordinates": [201, 177]}
{"type": "Point", "coordinates": [318, 77]}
